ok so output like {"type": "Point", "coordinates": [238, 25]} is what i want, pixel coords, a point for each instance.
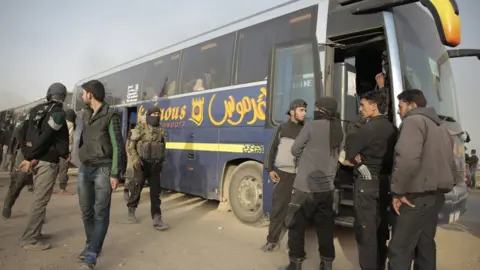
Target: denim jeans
{"type": "Point", "coordinates": [473, 171]}
{"type": "Point", "coordinates": [94, 195]}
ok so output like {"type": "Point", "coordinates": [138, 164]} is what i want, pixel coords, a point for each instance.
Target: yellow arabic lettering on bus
{"type": "Point", "coordinates": [240, 108]}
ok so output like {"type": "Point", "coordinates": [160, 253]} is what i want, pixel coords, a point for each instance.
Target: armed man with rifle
{"type": "Point", "coordinates": [18, 179]}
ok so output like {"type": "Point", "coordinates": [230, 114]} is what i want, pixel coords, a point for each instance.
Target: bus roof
{"type": "Point", "coordinates": [245, 22]}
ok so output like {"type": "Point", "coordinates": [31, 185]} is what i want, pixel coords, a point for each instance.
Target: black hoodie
{"type": "Point", "coordinates": [424, 160]}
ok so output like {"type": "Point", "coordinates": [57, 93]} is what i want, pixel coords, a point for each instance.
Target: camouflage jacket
{"type": "Point", "coordinates": [144, 133]}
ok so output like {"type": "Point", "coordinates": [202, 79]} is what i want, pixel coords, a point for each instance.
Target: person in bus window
{"type": "Point", "coordinates": [424, 170]}
{"type": "Point", "coordinates": [280, 165]}
{"type": "Point", "coordinates": [317, 149]}
{"type": "Point", "coordinates": [198, 85]}
{"type": "Point", "coordinates": [370, 152]}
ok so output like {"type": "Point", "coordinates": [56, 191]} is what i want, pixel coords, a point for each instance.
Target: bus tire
{"type": "Point", "coordinates": [246, 192]}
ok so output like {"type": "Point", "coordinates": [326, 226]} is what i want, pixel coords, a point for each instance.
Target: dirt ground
{"type": "Point", "coordinates": [201, 237]}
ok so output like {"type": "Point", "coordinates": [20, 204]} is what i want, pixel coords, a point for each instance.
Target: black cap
{"type": "Point", "coordinates": [297, 103]}
{"type": "Point", "coordinates": [96, 88]}
{"type": "Point", "coordinates": [153, 110]}
{"type": "Point", "coordinates": [57, 91]}
{"type": "Point", "coordinates": [328, 104]}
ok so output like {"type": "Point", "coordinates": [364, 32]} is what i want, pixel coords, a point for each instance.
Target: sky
{"type": "Point", "coordinates": [42, 42]}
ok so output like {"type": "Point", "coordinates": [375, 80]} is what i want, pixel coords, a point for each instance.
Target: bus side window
{"type": "Point", "coordinates": [294, 78]}
{"type": "Point", "coordinates": [208, 65]}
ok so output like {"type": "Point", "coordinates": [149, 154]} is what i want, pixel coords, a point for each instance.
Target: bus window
{"type": "Point", "coordinates": [160, 77]}
{"type": "Point", "coordinates": [421, 66]}
{"type": "Point", "coordinates": [208, 65]}
{"type": "Point", "coordinates": [255, 43]}
{"type": "Point", "coordinates": [293, 79]}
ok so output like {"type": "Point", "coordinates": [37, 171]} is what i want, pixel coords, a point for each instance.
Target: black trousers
{"type": "Point", "coordinates": [151, 171]}
{"type": "Point", "coordinates": [282, 192]}
{"type": "Point", "coordinates": [371, 206]}
{"type": "Point", "coordinates": [18, 180]}
{"type": "Point", "coordinates": [303, 209]}
{"type": "Point", "coordinates": [414, 234]}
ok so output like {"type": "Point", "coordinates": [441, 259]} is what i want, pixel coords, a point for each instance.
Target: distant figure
{"type": "Point", "coordinates": [473, 162]}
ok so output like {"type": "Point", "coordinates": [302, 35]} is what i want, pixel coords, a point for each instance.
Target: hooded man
{"type": "Point", "coordinates": [280, 165]}
{"type": "Point", "coordinates": [424, 170]}
{"type": "Point", "coordinates": [62, 177]}
{"type": "Point", "coordinates": [317, 149]}
{"type": "Point", "coordinates": [146, 149]}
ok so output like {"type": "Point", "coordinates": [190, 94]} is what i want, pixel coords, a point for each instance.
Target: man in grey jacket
{"type": "Point", "coordinates": [424, 170]}
{"type": "Point", "coordinates": [280, 165]}
{"type": "Point", "coordinates": [317, 148]}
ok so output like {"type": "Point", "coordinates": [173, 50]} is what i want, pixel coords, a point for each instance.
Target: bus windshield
{"type": "Point", "coordinates": [425, 60]}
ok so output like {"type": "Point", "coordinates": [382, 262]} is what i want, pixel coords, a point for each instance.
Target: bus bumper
{"type": "Point", "coordinates": [455, 205]}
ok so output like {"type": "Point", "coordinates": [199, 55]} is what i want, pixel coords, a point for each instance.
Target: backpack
{"type": "Point", "coordinates": [35, 121]}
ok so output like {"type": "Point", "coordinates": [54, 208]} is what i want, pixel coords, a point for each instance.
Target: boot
{"type": "Point", "coordinates": [269, 247]}
{"type": "Point", "coordinates": [158, 223]}
{"type": "Point", "coordinates": [295, 264]}
{"type": "Point", "coordinates": [326, 265]}
{"type": "Point", "coordinates": [131, 215]}
{"type": "Point", "coordinates": [6, 213]}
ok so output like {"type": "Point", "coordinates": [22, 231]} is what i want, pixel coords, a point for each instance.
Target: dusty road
{"type": "Point", "coordinates": [200, 237]}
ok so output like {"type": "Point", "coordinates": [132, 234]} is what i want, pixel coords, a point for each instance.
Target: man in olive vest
{"type": "Point", "coordinates": [101, 152]}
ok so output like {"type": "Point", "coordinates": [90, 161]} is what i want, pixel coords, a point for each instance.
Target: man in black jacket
{"type": "Point", "coordinates": [44, 140]}
{"type": "Point", "coordinates": [280, 165]}
{"type": "Point", "coordinates": [370, 152]}
{"type": "Point", "coordinates": [101, 152]}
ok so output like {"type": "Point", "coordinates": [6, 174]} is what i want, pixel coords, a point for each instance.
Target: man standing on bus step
{"type": "Point", "coordinates": [280, 165]}
{"type": "Point", "coordinates": [317, 149]}
{"type": "Point", "coordinates": [18, 179]}
{"type": "Point", "coordinates": [146, 149]}
{"type": "Point", "coordinates": [62, 177]}
{"type": "Point", "coordinates": [101, 152]}
{"type": "Point", "coordinates": [370, 152]}
{"type": "Point", "coordinates": [424, 170]}
{"type": "Point", "coordinates": [45, 135]}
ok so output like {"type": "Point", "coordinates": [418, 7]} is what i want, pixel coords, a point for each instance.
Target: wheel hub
{"type": "Point", "coordinates": [250, 194]}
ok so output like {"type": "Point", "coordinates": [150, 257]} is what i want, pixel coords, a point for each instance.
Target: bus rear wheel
{"type": "Point", "coordinates": [246, 192]}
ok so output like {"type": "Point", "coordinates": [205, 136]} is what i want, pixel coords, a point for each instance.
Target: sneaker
{"type": "Point", "coordinates": [6, 213]}
{"type": "Point", "coordinates": [38, 246]}
{"type": "Point", "coordinates": [131, 215]}
{"type": "Point", "coordinates": [269, 247]}
{"type": "Point", "coordinates": [64, 192]}
{"type": "Point", "coordinates": [90, 261]}
{"type": "Point", "coordinates": [158, 223]}
{"type": "Point", "coordinates": [81, 257]}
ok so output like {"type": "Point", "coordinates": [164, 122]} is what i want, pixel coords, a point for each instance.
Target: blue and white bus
{"type": "Point", "coordinates": [222, 92]}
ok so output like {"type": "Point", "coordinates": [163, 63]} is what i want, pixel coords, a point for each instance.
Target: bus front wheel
{"type": "Point", "coordinates": [246, 192]}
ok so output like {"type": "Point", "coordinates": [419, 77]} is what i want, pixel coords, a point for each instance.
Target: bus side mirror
{"type": "Point", "coordinates": [447, 19]}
